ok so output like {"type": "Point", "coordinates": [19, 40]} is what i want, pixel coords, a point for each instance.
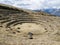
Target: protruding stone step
{"type": "Point", "coordinates": [7, 25]}
{"type": "Point", "coordinates": [4, 18]}
{"type": "Point", "coordinates": [5, 21]}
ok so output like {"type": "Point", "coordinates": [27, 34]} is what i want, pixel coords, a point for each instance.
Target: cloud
{"type": "Point", "coordinates": [33, 4]}
{"type": "Point", "coordinates": [53, 4]}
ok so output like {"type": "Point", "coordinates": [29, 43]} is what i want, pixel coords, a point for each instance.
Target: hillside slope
{"type": "Point", "coordinates": [25, 27]}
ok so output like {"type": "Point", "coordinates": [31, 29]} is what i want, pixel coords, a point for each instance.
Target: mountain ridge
{"type": "Point", "coordinates": [52, 11]}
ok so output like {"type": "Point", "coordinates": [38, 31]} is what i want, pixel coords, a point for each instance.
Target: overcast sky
{"type": "Point", "coordinates": [33, 4]}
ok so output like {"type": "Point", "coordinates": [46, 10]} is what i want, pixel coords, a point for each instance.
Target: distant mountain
{"type": "Point", "coordinates": [52, 11]}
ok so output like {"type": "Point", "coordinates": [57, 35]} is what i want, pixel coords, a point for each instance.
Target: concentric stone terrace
{"type": "Point", "coordinates": [10, 16]}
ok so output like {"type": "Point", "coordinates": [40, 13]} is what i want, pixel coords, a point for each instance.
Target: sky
{"type": "Point", "coordinates": [33, 4]}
